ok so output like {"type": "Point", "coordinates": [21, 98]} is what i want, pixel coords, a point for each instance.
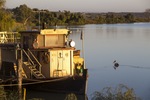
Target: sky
{"type": "Point", "coordinates": [84, 5]}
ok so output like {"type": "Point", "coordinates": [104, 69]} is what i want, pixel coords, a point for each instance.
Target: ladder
{"type": "Point", "coordinates": [37, 74]}
{"type": "Point", "coordinates": [31, 66]}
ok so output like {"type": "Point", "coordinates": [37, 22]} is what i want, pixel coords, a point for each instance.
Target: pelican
{"type": "Point", "coordinates": [115, 64]}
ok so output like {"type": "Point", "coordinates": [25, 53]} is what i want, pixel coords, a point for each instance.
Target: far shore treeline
{"type": "Point", "coordinates": [23, 17]}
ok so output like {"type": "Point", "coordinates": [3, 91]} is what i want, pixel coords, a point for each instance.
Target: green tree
{"type": "Point", "coordinates": [121, 19]}
{"type": "Point", "coordinates": [67, 15]}
{"type": "Point", "coordinates": [101, 19]}
{"type": "Point", "coordinates": [6, 21]}
{"type": "Point", "coordinates": [2, 2]}
{"type": "Point", "coordinates": [62, 17]}
{"type": "Point", "coordinates": [23, 14]}
{"type": "Point", "coordinates": [129, 18]}
{"type": "Point", "coordinates": [111, 18]}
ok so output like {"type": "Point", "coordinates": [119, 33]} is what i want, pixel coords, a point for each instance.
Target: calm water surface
{"type": "Point", "coordinates": [129, 44]}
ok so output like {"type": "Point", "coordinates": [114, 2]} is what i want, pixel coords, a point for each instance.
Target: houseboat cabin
{"type": "Point", "coordinates": [49, 61]}
{"type": "Point", "coordinates": [45, 54]}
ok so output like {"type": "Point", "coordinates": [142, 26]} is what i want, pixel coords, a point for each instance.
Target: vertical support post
{"type": "Point", "coordinates": [20, 78]}
{"type": "Point", "coordinates": [39, 22]}
{"type": "Point", "coordinates": [24, 94]}
{"type": "Point", "coordinates": [82, 38]}
{"type": "Point", "coordinates": [0, 58]}
{"type": "Point", "coordinates": [71, 63]}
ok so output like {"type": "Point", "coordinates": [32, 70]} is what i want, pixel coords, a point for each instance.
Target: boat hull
{"type": "Point", "coordinates": [75, 84]}
{"type": "Point", "coordinates": [68, 84]}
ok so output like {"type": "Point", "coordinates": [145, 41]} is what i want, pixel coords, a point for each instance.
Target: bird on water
{"type": "Point", "coordinates": [115, 64]}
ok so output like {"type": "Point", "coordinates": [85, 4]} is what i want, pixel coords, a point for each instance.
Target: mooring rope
{"type": "Point", "coordinates": [37, 82]}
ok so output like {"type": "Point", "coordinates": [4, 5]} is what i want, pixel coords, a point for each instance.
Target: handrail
{"type": "Point", "coordinates": [35, 60]}
{"type": "Point", "coordinates": [28, 56]}
{"type": "Point", "coordinates": [9, 37]}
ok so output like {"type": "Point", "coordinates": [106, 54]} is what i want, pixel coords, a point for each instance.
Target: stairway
{"type": "Point", "coordinates": [37, 74]}
{"type": "Point", "coordinates": [31, 64]}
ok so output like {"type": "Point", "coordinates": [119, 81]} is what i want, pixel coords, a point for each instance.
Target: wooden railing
{"type": "Point", "coordinates": [39, 64]}
{"type": "Point", "coordinates": [31, 60]}
{"type": "Point", "coordinates": [9, 37]}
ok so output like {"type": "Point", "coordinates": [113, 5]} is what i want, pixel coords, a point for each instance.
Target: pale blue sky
{"type": "Point", "coordinates": [84, 5]}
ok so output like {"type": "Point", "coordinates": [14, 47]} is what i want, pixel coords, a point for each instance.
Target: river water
{"type": "Point", "coordinates": [128, 44]}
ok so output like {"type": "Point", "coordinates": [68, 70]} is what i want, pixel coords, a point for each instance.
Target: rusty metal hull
{"type": "Point", "coordinates": [68, 84]}
{"type": "Point", "coordinates": [61, 85]}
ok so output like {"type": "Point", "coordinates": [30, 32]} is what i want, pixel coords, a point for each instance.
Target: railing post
{"type": "Point", "coordinates": [9, 37]}
{"type": "Point", "coordinates": [36, 60]}
{"type": "Point", "coordinates": [20, 78]}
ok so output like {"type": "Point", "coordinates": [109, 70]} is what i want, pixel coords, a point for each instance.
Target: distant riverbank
{"type": "Point", "coordinates": [20, 18]}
